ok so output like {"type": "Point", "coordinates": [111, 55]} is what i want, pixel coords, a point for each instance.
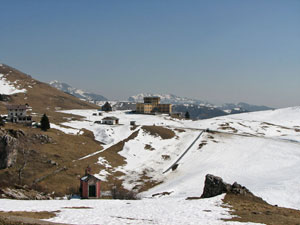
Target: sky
{"type": "Point", "coordinates": [217, 50]}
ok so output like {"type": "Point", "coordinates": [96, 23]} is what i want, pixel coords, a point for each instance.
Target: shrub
{"type": "Point", "coordinates": [118, 192]}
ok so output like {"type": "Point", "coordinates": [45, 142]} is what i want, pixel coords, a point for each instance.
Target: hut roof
{"type": "Point", "coordinates": [110, 118]}
{"type": "Point", "coordinates": [89, 177]}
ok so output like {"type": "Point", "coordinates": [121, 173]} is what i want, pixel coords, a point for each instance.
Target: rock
{"type": "Point", "coordinates": [42, 138]}
{"type": "Point", "coordinates": [23, 194]}
{"type": "Point", "coordinates": [8, 149]}
{"type": "Point", "coordinates": [215, 186]}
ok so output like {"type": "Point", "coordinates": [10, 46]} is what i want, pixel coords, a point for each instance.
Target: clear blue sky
{"type": "Point", "coordinates": [219, 51]}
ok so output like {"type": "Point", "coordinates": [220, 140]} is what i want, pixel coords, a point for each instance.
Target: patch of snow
{"type": "Point", "coordinates": [7, 88]}
{"type": "Point", "coordinates": [65, 130]}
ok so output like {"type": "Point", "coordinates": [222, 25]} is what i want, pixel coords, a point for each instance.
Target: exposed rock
{"type": "Point", "coordinates": [23, 194]}
{"type": "Point", "coordinates": [5, 98]}
{"type": "Point", "coordinates": [215, 186]}
{"type": "Point", "coordinates": [8, 149]}
{"type": "Point", "coordinates": [42, 138]}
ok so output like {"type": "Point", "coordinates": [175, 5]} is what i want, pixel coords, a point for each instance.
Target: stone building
{"type": "Point", "coordinates": [152, 105]}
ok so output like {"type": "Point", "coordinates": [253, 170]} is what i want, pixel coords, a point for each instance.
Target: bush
{"type": "Point", "coordinates": [118, 192]}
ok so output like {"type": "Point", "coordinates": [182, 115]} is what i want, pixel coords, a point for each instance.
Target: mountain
{"type": "Point", "coordinates": [87, 96]}
{"type": "Point", "coordinates": [167, 99]}
{"type": "Point", "coordinates": [245, 106]}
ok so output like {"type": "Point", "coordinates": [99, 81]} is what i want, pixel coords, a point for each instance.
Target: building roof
{"type": "Point", "coordinates": [9, 107]}
{"type": "Point", "coordinates": [110, 118]}
{"type": "Point", "coordinates": [89, 177]}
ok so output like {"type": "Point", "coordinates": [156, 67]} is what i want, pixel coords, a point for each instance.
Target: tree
{"type": "Point", "coordinates": [2, 123]}
{"type": "Point", "coordinates": [187, 115]}
{"type": "Point", "coordinates": [45, 125]}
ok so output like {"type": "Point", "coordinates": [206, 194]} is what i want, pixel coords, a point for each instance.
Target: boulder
{"type": "Point", "coordinates": [215, 186]}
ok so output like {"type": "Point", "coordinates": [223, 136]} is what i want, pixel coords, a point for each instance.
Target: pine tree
{"type": "Point", "coordinates": [45, 125]}
{"type": "Point", "coordinates": [187, 115]}
{"type": "Point", "coordinates": [2, 123]}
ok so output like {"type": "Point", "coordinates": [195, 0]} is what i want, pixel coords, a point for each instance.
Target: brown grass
{"type": "Point", "coordinates": [34, 215]}
{"type": "Point", "coordinates": [149, 147]}
{"type": "Point", "coordinates": [162, 132]}
{"type": "Point", "coordinates": [64, 150]}
{"type": "Point", "coordinates": [253, 209]}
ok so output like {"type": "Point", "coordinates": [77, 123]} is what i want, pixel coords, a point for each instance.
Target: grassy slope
{"type": "Point", "coordinates": [253, 209]}
{"type": "Point", "coordinates": [41, 97]}
{"type": "Point", "coordinates": [65, 148]}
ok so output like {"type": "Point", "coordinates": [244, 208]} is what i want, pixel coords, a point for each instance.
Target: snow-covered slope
{"type": "Point", "coordinates": [8, 88]}
{"type": "Point", "coordinates": [260, 150]}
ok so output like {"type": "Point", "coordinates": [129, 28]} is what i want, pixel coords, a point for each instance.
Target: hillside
{"type": "Point", "coordinates": [39, 159]}
{"type": "Point", "coordinates": [259, 150]}
{"type": "Point", "coordinates": [40, 96]}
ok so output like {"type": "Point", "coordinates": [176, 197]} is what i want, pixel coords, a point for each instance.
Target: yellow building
{"type": "Point", "coordinates": [152, 105]}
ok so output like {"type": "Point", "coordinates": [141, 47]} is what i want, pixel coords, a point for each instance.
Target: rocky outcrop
{"type": "Point", "coordinates": [215, 186]}
{"type": "Point", "coordinates": [8, 148]}
{"type": "Point", "coordinates": [41, 138]}
{"type": "Point", "coordinates": [23, 193]}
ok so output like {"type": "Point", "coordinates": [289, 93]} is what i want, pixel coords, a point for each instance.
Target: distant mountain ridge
{"type": "Point", "coordinates": [176, 100]}
{"type": "Point", "coordinates": [87, 96]}
{"type": "Point", "coordinates": [168, 99]}
{"type": "Point", "coordinates": [199, 109]}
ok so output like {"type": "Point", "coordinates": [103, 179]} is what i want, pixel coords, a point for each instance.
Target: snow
{"type": "Point", "coordinates": [259, 150]}
{"type": "Point", "coordinates": [7, 88]}
{"type": "Point", "coordinates": [65, 130]}
{"type": "Point", "coordinates": [146, 211]}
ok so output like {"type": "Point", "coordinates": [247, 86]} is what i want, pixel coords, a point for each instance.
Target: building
{"type": "Point", "coordinates": [89, 185]}
{"type": "Point", "coordinates": [106, 107]}
{"type": "Point", "coordinates": [152, 105]}
{"type": "Point", "coordinates": [18, 114]}
{"type": "Point", "coordinates": [111, 120]}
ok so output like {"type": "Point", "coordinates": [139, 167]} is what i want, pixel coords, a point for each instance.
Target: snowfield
{"type": "Point", "coordinates": [259, 150]}
{"type": "Point", "coordinates": [146, 211]}
{"type": "Point", "coordinates": [8, 88]}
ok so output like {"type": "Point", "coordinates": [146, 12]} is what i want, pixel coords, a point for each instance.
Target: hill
{"type": "Point", "coordinates": [40, 96]}
{"type": "Point", "coordinates": [41, 160]}
{"type": "Point", "coordinates": [256, 149]}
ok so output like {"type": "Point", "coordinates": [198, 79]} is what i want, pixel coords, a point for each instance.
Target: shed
{"type": "Point", "coordinates": [132, 123]}
{"type": "Point", "coordinates": [111, 120]}
{"type": "Point", "coordinates": [89, 185]}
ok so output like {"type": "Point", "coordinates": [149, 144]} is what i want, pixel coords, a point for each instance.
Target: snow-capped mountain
{"type": "Point", "coordinates": [87, 96]}
{"type": "Point", "coordinates": [168, 99]}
